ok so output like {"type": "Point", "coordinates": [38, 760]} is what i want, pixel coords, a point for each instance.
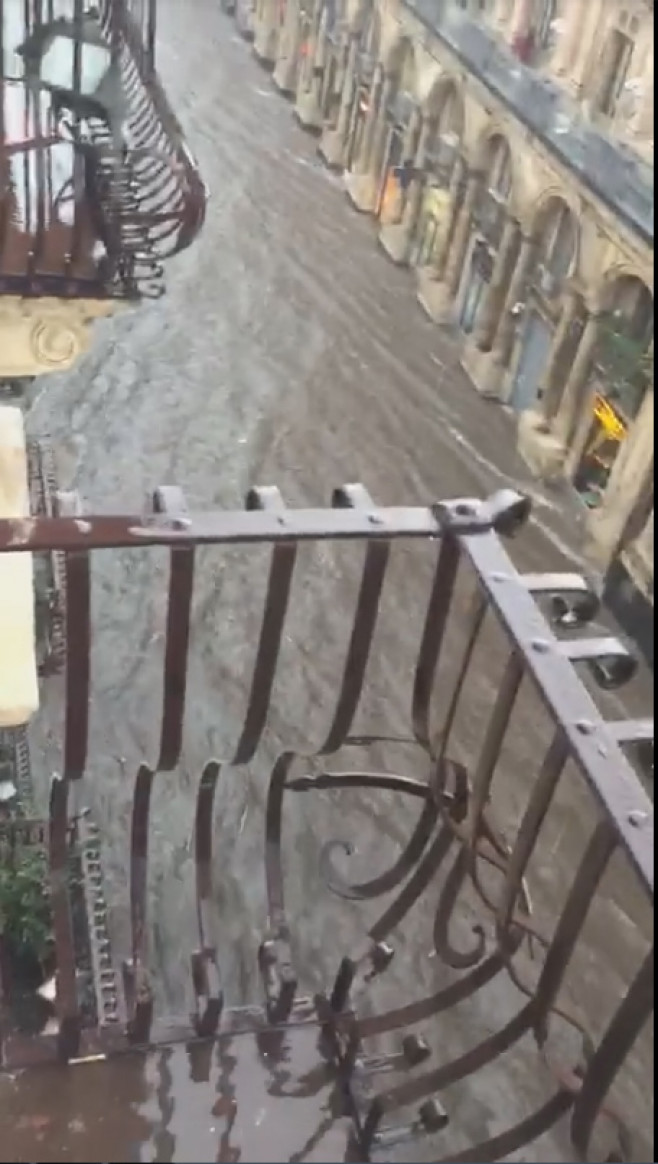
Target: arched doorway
{"type": "Point", "coordinates": [309, 15]}
{"type": "Point", "coordinates": [557, 247]}
{"type": "Point", "coordinates": [367, 59]}
{"type": "Point", "coordinates": [622, 372]}
{"type": "Point", "coordinates": [402, 129]}
{"type": "Point", "coordinates": [335, 38]}
{"type": "Point", "coordinates": [487, 227]}
{"type": "Point", "coordinates": [443, 151]}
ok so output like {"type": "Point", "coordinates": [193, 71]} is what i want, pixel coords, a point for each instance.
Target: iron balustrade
{"type": "Point", "coordinates": [98, 184]}
{"type": "Point", "coordinates": [459, 845]}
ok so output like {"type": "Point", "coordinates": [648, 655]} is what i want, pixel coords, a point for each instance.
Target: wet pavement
{"type": "Point", "coordinates": [287, 351]}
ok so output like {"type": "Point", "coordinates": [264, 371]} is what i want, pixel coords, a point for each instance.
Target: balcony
{"type": "Point", "coordinates": [483, 978]}
{"type": "Point", "coordinates": [98, 185]}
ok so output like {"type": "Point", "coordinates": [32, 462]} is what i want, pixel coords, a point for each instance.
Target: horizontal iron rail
{"type": "Point", "coordinates": [594, 745]}
{"type": "Point", "coordinates": [240, 526]}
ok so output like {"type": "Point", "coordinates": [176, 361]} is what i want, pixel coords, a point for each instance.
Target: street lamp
{"type": "Point", "coordinates": [73, 62]}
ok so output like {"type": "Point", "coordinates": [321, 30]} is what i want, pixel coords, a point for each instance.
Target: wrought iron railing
{"type": "Point", "coordinates": [98, 184]}
{"type": "Point", "coordinates": [469, 845]}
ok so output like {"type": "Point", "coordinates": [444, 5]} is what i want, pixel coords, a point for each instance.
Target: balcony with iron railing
{"type": "Point", "coordinates": [485, 979]}
{"type": "Point", "coordinates": [98, 185]}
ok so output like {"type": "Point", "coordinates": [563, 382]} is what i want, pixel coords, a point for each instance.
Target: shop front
{"type": "Point", "coordinates": [486, 235]}
{"type": "Point", "coordinates": [397, 168]}
{"type": "Point", "coordinates": [622, 375]}
{"type": "Point", "coordinates": [608, 430]}
{"type": "Point", "coordinates": [433, 226]}
{"type": "Point", "coordinates": [332, 80]}
{"type": "Point", "coordinates": [363, 96]}
{"type": "Point", "coordinates": [333, 59]}
{"type": "Point", "coordinates": [546, 306]}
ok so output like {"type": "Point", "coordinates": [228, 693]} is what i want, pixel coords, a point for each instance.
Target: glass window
{"type": "Point", "coordinates": [59, 62]}
{"type": "Point", "coordinates": [615, 67]}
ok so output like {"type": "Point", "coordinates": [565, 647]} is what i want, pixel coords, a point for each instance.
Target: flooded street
{"type": "Point", "coordinates": [286, 351]}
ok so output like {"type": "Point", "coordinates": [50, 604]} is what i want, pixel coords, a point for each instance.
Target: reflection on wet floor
{"type": "Point", "coordinates": [252, 1097]}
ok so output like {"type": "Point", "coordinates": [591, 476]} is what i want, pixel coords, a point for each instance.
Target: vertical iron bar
{"type": "Point", "coordinates": [627, 1023]}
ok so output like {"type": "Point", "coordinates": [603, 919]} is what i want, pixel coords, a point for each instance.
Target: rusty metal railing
{"type": "Point", "coordinates": [172, 194]}
{"type": "Point", "coordinates": [459, 816]}
{"type": "Point", "coordinates": [98, 187]}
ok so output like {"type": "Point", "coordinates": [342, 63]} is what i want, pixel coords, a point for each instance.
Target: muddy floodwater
{"type": "Point", "coordinates": [287, 351]}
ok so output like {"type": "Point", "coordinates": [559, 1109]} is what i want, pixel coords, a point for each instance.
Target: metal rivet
{"type": "Point", "coordinates": [541, 646]}
{"type": "Point", "coordinates": [638, 817]}
{"type": "Point", "coordinates": [374, 519]}
{"type": "Point", "coordinates": [584, 727]}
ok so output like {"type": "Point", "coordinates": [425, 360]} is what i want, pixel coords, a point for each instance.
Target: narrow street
{"type": "Point", "coordinates": [288, 351]}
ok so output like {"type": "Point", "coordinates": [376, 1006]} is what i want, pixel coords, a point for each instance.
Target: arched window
{"type": "Point", "coordinates": [496, 189]}
{"type": "Point", "coordinates": [613, 71]}
{"type": "Point", "coordinates": [370, 33]}
{"type": "Point", "coordinates": [558, 240]}
{"type": "Point", "coordinates": [544, 25]}
{"type": "Point", "coordinates": [498, 169]}
{"type": "Point", "coordinates": [443, 147]}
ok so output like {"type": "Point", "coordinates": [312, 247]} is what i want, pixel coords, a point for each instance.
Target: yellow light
{"type": "Point", "coordinates": [611, 423]}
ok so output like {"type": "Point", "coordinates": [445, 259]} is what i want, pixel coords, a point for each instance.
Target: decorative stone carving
{"type": "Point", "coordinates": [46, 335]}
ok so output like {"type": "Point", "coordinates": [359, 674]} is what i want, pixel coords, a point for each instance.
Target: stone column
{"type": "Point", "coordinates": [332, 146]}
{"type": "Point", "coordinates": [503, 340]}
{"type": "Point", "coordinates": [502, 15]}
{"type": "Point", "coordinates": [520, 22]}
{"type": "Point", "coordinates": [551, 385]}
{"type": "Point", "coordinates": [643, 121]}
{"type": "Point", "coordinates": [631, 476]}
{"type": "Point", "coordinates": [571, 404]}
{"type": "Point", "coordinates": [570, 40]}
{"type": "Point", "coordinates": [494, 301]}
{"type": "Point", "coordinates": [396, 238]}
{"type": "Point", "coordinates": [265, 32]}
{"type": "Point", "coordinates": [588, 44]}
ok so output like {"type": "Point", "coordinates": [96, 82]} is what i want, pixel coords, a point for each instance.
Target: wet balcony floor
{"type": "Point", "coordinates": [250, 1097]}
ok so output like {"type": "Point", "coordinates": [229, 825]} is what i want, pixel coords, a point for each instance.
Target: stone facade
{"type": "Point", "coordinates": [505, 146]}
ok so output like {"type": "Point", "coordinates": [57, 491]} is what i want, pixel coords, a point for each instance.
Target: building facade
{"type": "Point", "coordinates": [506, 148]}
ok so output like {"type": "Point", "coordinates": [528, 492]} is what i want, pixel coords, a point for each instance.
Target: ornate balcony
{"type": "Point", "coordinates": [97, 183]}
{"type": "Point", "coordinates": [501, 971]}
